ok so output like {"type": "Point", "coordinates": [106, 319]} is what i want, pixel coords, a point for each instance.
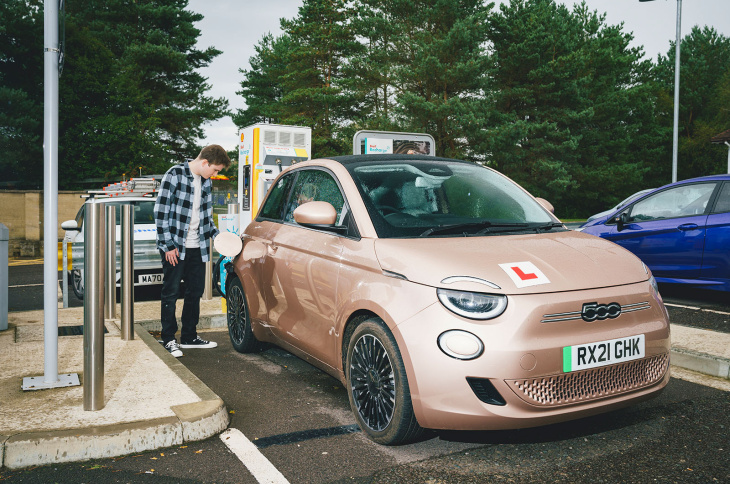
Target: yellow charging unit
{"type": "Point", "coordinates": [264, 151]}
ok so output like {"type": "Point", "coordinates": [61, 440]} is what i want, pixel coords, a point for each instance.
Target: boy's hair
{"type": "Point", "coordinates": [216, 155]}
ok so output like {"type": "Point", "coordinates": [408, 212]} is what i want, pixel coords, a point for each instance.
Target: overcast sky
{"type": "Point", "coordinates": [235, 27]}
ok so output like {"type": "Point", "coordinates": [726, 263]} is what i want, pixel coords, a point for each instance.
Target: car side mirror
{"type": "Point", "coordinates": [621, 220]}
{"type": "Point", "coordinates": [70, 225]}
{"type": "Point", "coordinates": [318, 215]}
{"type": "Point", "coordinates": [545, 204]}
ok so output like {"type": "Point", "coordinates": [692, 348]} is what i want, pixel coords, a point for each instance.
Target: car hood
{"type": "Point", "coordinates": [517, 264]}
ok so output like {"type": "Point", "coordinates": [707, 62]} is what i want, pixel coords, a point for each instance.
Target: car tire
{"type": "Point", "coordinates": [77, 282]}
{"type": "Point", "coordinates": [239, 320]}
{"type": "Point", "coordinates": [378, 386]}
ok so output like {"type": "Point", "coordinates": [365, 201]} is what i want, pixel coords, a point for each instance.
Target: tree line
{"type": "Point", "coordinates": [552, 96]}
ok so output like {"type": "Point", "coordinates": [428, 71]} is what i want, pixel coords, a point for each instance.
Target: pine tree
{"type": "Point", "coordinates": [704, 76]}
{"type": "Point", "coordinates": [573, 117]}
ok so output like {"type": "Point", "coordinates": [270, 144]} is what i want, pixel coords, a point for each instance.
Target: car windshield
{"type": "Point", "coordinates": [424, 198]}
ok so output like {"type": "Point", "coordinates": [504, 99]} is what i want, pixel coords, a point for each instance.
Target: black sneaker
{"type": "Point", "coordinates": [198, 343]}
{"type": "Point", "coordinates": [174, 348]}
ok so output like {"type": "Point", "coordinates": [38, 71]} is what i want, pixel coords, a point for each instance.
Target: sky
{"type": "Point", "coordinates": [236, 26]}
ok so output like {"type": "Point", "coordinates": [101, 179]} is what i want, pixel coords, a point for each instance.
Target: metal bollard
{"type": "Point", "coordinates": [94, 265]}
{"type": "Point", "coordinates": [4, 268]}
{"type": "Point", "coordinates": [64, 273]}
{"type": "Point", "coordinates": [110, 299]}
{"type": "Point", "coordinates": [208, 291]}
{"type": "Point", "coordinates": [127, 268]}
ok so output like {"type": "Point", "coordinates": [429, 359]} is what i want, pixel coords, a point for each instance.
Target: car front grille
{"type": "Point", "coordinates": [593, 384]}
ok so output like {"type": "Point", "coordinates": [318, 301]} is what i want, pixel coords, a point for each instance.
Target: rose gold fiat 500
{"type": "Point", "coordinates": [444, 296]}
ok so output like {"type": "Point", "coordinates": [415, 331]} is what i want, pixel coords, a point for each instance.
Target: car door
{"type": "Point", "coordinates": [667, 229]}
{"type": "Point", "coordinates": [716, 258]}
{"type": "Point", "coordinates": [302, 268]}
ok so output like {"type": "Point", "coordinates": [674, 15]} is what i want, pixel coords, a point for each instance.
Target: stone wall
{"type": "Point", "coordinates": [21, 211]}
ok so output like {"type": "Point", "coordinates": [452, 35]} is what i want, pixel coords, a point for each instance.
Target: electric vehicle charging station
{"type": "Point", "coordinates": [367, 142]}
{"type": "Point", "coordinates": [264, 151]}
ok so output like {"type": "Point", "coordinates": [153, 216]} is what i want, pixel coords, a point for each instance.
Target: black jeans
{"type": "Point", "coordinates": [192, 271]}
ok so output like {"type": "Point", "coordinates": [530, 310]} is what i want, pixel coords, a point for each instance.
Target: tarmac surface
{"type": "Point", "coordinates": [150, 399]}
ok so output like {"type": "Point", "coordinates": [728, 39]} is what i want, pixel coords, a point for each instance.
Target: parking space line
{"type": "Point", "coordinates": [256, 463]}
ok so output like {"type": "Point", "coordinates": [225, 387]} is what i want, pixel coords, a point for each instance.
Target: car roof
{"type": "Point", "coordinates": [351, 161]}
{"type": "Point", "coordinates": [722, 176]}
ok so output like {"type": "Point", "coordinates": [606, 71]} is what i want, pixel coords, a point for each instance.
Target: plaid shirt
{"type": "Point", "coordinates": [173, 210]}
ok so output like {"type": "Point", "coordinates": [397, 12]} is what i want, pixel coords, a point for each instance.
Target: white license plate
{"type": "Point", "coordinates": [602, 353]}
{"type": "Point", "coordinates": [145, 279]}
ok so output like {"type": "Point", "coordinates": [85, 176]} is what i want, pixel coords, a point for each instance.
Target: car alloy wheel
{"type": "Point", "coordinates": [239, 321]}
{"type": "Point", "coordinates": [379, 393]}
{"type": "Point", "coordinates": [77, 283]}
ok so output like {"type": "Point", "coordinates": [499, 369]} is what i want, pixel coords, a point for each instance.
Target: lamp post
{"type": "Point", "coordinates": [675, 144]}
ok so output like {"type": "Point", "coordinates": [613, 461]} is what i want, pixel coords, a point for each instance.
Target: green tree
{"type": "Point", "coordinates": [440, 67]}
{"type": "Point", "coordinates": [314, 92]}
{"type": "Point", "coordinates": [21, 93]}
{"type": "Point", "coordinates": [262, 87]}
{"type": "Point", "coordinates": [574, 108]}
{"type": "Point", "coordinates": [704, 76]}
{"type": "Point", "coordinates": [131, 94]}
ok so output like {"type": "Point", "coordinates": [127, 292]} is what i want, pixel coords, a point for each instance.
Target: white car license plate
{"type": "Point", "coordinates": [602, 353]}
{"type": "Point", "coordinates": [149, 279]}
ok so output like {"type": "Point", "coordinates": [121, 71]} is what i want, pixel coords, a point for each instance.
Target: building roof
{"type": "Point", "coordinates": [721, 138]}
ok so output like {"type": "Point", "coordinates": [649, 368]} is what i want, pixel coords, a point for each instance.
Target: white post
{"type": "Point", "coordinates": [675, 142]}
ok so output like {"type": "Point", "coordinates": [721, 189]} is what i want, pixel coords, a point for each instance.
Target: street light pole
{"type": "Point", "coordinates": [678, 40]}
{"type": "Point", "coordinates": [675, 144]}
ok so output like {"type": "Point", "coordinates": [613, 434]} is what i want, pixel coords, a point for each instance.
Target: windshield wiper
{"type": "Point", "coordinates": [483, 226]}
{"type": "Point", "coordinates": [550, 226]}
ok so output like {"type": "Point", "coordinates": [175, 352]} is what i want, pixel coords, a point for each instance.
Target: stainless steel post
{"type": "Point", "coordinates": [127, 268]}
{"type": "Point", "coordinates": [110, 298]}
{"type": "Point", "coordinates": [4, 242]}
{"type": "Point", "coordinates": [208, 291]}
{"type": "Point", "coordinates": [64, 273]}
{"type": "Point", "coordinates": [94, 262]}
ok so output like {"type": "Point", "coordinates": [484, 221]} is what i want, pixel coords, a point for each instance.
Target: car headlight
{"type": "Point", "coordinates": [461, 345]}
{"type": "Point", "coordinates": [473, 305]}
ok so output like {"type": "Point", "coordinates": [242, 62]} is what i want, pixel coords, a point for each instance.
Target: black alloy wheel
{"type": "Point", "coordinates": [239, 321]}
{"type": "Point", "coordinates": [379, 393]}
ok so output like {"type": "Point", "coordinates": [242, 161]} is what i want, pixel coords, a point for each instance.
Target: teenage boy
{"type": "Point", "coordinates": [185, 228]}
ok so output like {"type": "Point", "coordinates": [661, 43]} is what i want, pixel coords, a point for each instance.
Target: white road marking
{"type": "Point", "coordinates": [256, 463]}
{"type": "Point", "coordinates": [26, 285]}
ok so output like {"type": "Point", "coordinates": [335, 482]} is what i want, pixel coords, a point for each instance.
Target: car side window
{"type": "Point", "coordinates": [681, 201]}
{"type": "Point", "coordinates": [723, 200]}
{"type": "Point", "coordinates": [274, 205]}
{"type": "Point", "coordinates": [315, 186]}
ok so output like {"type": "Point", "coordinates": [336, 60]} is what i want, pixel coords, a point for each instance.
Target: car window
{"type": "Point", "coordinates": [406, 199]}
{"type": "Point", "coordinates": [315, 186]}
{"type": "Point", "coordinates": [274, 204]}
{"type": "Point", "coordinates": [723, 200]}
{"type": "Point", "coordinates": [681, 201]}
{"type": "Point", "coordinates": [143, 212]}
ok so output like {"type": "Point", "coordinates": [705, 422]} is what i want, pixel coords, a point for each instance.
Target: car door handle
{"type": "Point", "coordinates": [686, 227]}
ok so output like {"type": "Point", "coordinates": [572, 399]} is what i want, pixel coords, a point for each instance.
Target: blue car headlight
{"type": "Point", "coordinates": [473, 305]}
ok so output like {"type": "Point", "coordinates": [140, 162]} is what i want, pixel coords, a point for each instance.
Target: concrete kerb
{"type": "Point", "coordinates": [701, 362]}
{"type": "Point", "coordinates": [192, 421]}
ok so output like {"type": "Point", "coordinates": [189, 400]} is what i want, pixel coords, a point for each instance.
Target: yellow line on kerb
{"type": "Point", "coordinates": [25, 262]}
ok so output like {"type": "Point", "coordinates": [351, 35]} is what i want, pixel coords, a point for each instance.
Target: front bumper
{"type": "Point", "coordinates": [523, 361]}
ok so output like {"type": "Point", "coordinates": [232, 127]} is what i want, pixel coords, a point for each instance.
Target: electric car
{"type": "Point", "coordinates": [681, 231]}
{"type": "Point", "coordinates": [444, 296]}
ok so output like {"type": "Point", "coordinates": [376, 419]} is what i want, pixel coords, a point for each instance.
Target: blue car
{"type": "Point", "coordinates": [681, 231]}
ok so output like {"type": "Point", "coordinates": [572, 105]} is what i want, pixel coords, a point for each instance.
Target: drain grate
{"type": "Point", "coordinates": [74, 330]}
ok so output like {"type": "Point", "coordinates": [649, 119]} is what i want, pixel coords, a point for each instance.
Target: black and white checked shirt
{"type": "Point", "coordinates": [173, 211]}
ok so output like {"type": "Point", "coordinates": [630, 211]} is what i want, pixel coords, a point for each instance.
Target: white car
{"type": "Point", "coordinates": [147, 260]}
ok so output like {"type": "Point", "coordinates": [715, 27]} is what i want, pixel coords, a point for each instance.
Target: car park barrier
{"type": "Point", "coordinates": [127, 277]}
{"type": "Point", "coordinates": [94, 266]}
{"type": "Point", "coordinates": [4, 241]}
{"type": "Point", "coordinates": [110, 286]}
